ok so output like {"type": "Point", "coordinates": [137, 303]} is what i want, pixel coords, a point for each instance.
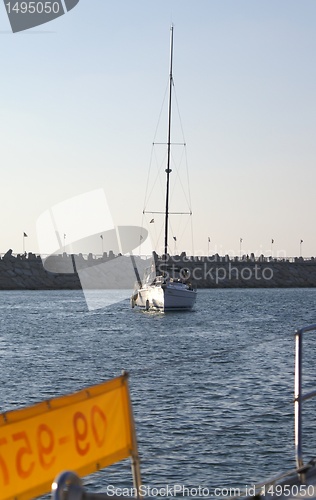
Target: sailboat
{"type": "Point", "coordinates": [160, 289]}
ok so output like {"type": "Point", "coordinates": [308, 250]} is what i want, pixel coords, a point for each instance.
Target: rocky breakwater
{"type": "Point", "coordinates": [69, 272]}
{"type": "Point", "coordinates": [30, 272]}
{"type": "Point", "coordinates": [248, 272]}
{"type": "Point", "coordinates": [26, 272]}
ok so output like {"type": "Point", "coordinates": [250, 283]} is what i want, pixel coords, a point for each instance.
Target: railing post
{"type": "Point", "coordinates": [298, 398]}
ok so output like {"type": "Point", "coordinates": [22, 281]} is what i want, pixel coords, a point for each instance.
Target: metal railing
{"type": "Point", "coordinates": [299, 397]}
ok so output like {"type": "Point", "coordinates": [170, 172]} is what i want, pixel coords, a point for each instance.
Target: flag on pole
{"type": "Point", "coordinates": [272, 241]}
{"type": "Point", "coordinates": [24, 236]}
{"type": "Point", "coordinates": [101, 236]}
{"type": "Point", "coordinates": [209, 239]}
{"type": "Point", "coordinates": [175, 239]}
{"type": "Point", "coordinates": [240, 240]}
{"type": "Point", "coordinates": [152, 221]}
{"type": "Point", "coordinates": [301, 241]}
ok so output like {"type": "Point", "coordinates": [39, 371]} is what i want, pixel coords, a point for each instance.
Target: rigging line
{"type": "Point", "coordinates": [148, 176]}
{"type": "Point", "coordinates": [155, 134]}
{"type": "Point", "coordinates": [188, 178]}
{"type": "Point", "coordinates": [175, 241]}
{"type": "Point", "coordinates": [192, 238]}
{"type": "Point", "coordinates": [178, 232]}
{"type": "Point", "coordinates": [173, 233]}
{"type": "Point", "coordinates": [160, 171]}
{"type": "Point", "coordinates": [161, 110]}
{"type": "Point", "coordinates": [185, 227]}
{"type": "Point", "coordinates": [178, 110]}
{"type": "Point", "coordinates": [186, 192]}
{"type": "Point", "coordinates": [181, 126]}
{"type": "Point", "coordinates": [178, 179]}
{"type": "Point", "coordinates": [158, 237]}
{"type": "Point", "coordinates": [141, 233]}
{"type": "Point", "coordinates": [157, 180]}
{"type": "Point", "coordinates": [154, 230]}
{"type": "Point", "coordinates": [158, 177]}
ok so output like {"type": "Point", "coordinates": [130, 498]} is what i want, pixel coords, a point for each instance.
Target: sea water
{"type": "Point", "coordinates": [212, 390]}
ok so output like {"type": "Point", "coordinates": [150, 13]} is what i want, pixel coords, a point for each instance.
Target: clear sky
{"type": "Point", "coordinates": [81, 96]}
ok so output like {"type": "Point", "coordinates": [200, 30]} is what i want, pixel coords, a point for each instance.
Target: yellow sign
{"type": "Point", "coordinates": [82, 432]}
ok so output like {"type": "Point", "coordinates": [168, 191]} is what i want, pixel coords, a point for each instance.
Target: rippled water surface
{"type": "Point", "coordinates": [212, 390]}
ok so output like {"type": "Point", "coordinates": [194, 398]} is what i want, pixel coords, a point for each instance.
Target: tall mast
{"type": "Point", "coordinates": [168, 170]}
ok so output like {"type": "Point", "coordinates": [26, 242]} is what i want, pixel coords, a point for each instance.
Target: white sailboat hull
{"type": "Point", "coordinates": [170, 297]}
